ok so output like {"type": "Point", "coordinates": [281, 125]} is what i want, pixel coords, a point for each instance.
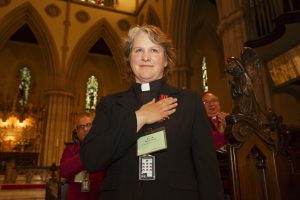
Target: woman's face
{"type": "Point", "coordinates": [147, 60]}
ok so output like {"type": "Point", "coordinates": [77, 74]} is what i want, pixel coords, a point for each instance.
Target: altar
{"type": "Point", "coordinates": [20, 158]}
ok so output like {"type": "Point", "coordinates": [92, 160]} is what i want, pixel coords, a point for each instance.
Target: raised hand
{"type": "Point", "coordinates": [222, 125]}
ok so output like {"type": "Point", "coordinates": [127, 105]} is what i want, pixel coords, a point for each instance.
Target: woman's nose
{"type": "Point", "coordinates": [146, 57]}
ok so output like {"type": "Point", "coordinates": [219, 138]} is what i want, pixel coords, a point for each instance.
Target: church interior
{"type": "Point", "coordinates": [59, 57]}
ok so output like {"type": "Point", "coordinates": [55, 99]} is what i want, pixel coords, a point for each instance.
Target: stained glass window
{"type": "Point", "coordinates": [204, 75]}
{"type": "Point", "coordinates": [91, 93]}
{"type": "Point", "coordinates": [24, 86]}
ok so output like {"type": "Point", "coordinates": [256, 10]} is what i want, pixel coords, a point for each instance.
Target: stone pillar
{"type": "Point", "coordinates": [58, 125]}
{"type": "Point", "coordinates": [180, 76]}
{"type": "Point", "coordinates": [231, 27]}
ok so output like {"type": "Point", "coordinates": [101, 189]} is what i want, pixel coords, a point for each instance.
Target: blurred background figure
{"type": "Point", "coordinates": [216, 117]}
{"type": "Point", "coordinates": [81, 185]}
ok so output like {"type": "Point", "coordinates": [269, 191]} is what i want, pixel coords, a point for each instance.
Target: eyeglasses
{"type": "Point", "coordinates": [213, 101]}
{"type": "Point", "coordinates": [83, 126]}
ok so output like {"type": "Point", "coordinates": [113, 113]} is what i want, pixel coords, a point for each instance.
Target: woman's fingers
{"type": "Point", "coordinates": [168, 103]}
{"type": "Point", "coordinates": [156, 111]}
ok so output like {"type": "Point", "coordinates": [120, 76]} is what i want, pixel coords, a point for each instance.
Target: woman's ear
{"type": "Point", "coordinates": [75, 137]}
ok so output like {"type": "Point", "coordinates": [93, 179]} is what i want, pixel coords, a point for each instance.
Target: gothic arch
{"type": "Point", "coordinates": [152, 17]}
{"type": "Point", "coordinates": [27, 14]}
{"type": "Point", "coordinates": [101, 29]}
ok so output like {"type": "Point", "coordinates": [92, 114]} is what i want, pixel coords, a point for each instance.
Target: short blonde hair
{"type": "Point", "coordinates": [157, 36]}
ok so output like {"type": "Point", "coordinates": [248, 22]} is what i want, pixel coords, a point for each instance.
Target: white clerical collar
{"type": "Point", "coordinates": [145, 87]}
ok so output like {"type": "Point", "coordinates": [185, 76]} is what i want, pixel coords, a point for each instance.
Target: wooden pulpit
{"type": "Point", "coordinates": [255, 140]}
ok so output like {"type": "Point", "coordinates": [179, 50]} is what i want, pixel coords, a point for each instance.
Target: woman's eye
{"type": "Point", "coordinates": [154, 50]}
{"type": "Point", "coordinates": [138, 50]}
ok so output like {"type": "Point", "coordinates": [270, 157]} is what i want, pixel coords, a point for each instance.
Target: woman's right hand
{"type": "Point", "coordinates": [155, 111]}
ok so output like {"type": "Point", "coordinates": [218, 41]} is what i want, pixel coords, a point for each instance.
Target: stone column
{"type": "Point", "coordinates": [58, 125]}
{"type": "Point", "coordinates": [178, 30]}
{"type": "Point", "coordinates": [231, 27]}
{"type": "Point", "coordinates": [180, 76]}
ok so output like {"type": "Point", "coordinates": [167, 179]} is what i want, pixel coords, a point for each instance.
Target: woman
{"type": "Point", "coordinates": [154, 139]}
{"type": "Point", "coordinates": [81, 185]}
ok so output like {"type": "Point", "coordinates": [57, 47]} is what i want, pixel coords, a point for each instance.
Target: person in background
{"type": "Point", "coordinates": [148, 137]}
{"type": "Point", "coordinates": [81, 184]}
{"type": "Point", "coordinates": [216, 118]}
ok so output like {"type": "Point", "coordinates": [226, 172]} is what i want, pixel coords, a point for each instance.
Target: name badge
{"type": "Point", "coordinates": [146, 168]}
{"type": "Point", "coordinates": [153, 142]}
{"type": "Point", "coordinates": [85, 185]}
{"type": "Point", "coordinates": [79, 177]}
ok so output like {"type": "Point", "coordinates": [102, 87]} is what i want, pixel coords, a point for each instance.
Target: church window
{"type": "Point", "coordinates": [24, 86]}
{"type": "Point", "coordinates": [91, 93]}
{"type": "Point", "coordinates": [204, 75]}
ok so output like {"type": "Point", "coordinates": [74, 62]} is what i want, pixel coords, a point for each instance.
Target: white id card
{"type": "Point", "coordinates": [146, 167]}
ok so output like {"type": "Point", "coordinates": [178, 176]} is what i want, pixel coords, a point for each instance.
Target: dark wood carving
{"type": "Point", "coordinates": [252, 134]}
